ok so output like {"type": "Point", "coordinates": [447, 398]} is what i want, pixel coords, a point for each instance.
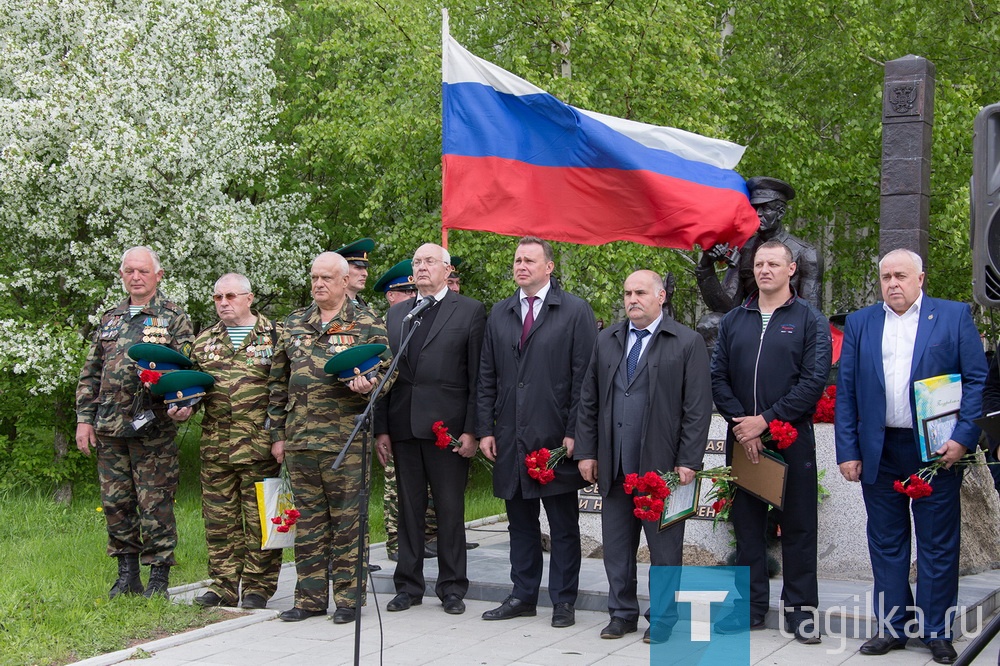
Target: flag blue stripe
{"type": "Point", "coordinates": [540, 130]}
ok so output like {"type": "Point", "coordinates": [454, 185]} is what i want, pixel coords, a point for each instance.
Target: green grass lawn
{"type": "Point", "coordinates": [56, 576]}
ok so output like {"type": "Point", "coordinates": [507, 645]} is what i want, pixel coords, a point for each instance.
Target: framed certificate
{"type": "Point", "coordinates": [938, 400]}
{"type": "Point", "coordinates": [682, 503]}
{"type": "Point", "coordinates": [765, 480]}
{"type": "Point", "coordinates": [936, 431]}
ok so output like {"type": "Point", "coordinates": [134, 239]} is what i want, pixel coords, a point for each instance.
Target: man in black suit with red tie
{"type": "Point", "coordinates": [536, 350]}
{"type": "Point", "coordinates": [436, 381]}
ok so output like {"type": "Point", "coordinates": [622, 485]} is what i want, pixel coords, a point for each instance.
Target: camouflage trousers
{"type": "Point", "coordinates": [138, 478]}
{"type": "Point", "coordinates": [232, 529]}
{"type": "Point", "coordinates": [326, 534]}
{"type": "Point", "coordinates": [390, 510]}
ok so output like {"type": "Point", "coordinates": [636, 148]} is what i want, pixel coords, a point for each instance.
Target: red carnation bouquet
{"type": "Point", "coordinates": [782, 433]}
{"type": "Point", "coordinates": [443, 439]}
{"type": "Point", "coordinates": [150, 376]}
{"type": "Point", "coordinates": [541, 463]}
{"type": "Point", "coordinates": [287, 518]}
{"type": "Point", "coordinates": [721, 496]}
{"type": "Point", "coordinates": [650, 491]}
{"type": "Point", "coordinates": [919, 484]}
{"type": "Point", "coordinates": [826, 406]}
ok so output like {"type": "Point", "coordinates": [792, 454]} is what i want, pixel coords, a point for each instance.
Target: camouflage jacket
{"type": "Point", "coordinates": [234, 428]}
{"type": "Point", "coordinates": [109, 381]}
{"type": "Point", "coordinates": [310, 409]}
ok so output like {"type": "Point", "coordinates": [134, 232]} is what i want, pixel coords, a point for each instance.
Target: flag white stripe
{"type": "Point", "coordinates": [460, 66]}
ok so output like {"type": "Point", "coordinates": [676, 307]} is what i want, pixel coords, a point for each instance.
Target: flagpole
{"type": "Point", "coordinates": [445, 33]}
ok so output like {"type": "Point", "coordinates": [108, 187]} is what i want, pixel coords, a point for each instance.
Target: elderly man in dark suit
{"type": "Point", "coordinates": [536, 350]}
{"type": "Point", "coordinates": [645, 405]}
{"type": "Point", "coordinates": [436, 381]}
{"type": "Point", "coordinates": [887, 347]}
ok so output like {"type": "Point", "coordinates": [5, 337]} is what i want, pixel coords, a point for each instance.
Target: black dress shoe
{"type": "Point", "coordinates": [403, 601]}
{"type": "Point", "coordinates": [510, 608]}
{"type": "Point", "coordinates": [663, 633]}
{"type": "Point", "coordinates": [807, 633]}
{"type": "Point", "coordinates": [618, 627]}
{"type": "Point", "coordinates": [563, 615]}
{"type": "Point", "coordinates": [210, 599]}
{"type": "Point", "coordinates": [453, 604]}
{"type": "Point", "coordinates": [254, 601]}
{"type": "Point", "coordinates": [431, 548]}
{"type": "Point", "coordinates": [942, 651]}
{"type": "Point", "coordinates": [881, 645]}
{"type": "Point", "coordinates": [736, 622]}
{"type": "Point", "coordinates": [393, 556]}
{"type": "Point", "coordinates": [343, 615]}
{"type": "Point", "coordinates": [298, 614]}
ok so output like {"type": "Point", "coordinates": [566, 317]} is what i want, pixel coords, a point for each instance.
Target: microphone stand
{"type": "Point", "coordinates": [363, 426]}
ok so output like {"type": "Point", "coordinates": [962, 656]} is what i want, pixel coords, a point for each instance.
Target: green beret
{"type": "Point", "coordinates": [398, 277]}
{"type": "Point", "coordinates": [183, 387]}
{"type": "Point", "coordinates": [355, 361]}
{"type": "Point", "coordinates": [357, 251]}
{"type": "Point", "coordinates": [150, 356]}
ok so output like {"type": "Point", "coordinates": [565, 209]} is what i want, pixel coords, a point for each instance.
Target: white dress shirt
{"type": "Point", "coordinates": [645, 341]}
{"type": "Point", "coordinates": [537, 305]}
{"type": "Point", "coordinates": [438, 297]}
{"type": "Point", "coordinates": [898, 339]}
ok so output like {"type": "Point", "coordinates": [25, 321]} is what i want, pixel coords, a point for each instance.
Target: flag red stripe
{"type": "Point", "coordinates": [590, 206]}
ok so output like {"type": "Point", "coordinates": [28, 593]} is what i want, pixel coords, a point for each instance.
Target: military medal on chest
{"type": "Point", "coordinates": [155, 330]}
{"type": "Point", "coordinates": [112, 328]}
{"type": "Point", "coordinates": [260, 352]}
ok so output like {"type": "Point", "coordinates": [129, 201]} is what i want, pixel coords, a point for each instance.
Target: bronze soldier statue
{"type": "Point", "coordinates": [769, 196]}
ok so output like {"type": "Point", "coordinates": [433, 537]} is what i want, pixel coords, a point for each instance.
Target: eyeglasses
{"type": "Point", "coordinates": [429, 263]}
{"type": "Point", "coordinates": [229, 297]}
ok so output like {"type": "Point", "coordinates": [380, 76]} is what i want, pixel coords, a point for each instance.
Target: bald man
{"type": "Point", "coordinates": [647, 360]}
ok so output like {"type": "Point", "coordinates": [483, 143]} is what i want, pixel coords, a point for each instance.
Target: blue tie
{"type": "Point", "coordinates": [633, 354]}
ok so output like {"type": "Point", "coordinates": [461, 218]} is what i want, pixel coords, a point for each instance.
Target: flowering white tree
{"type": "Point", "coordinates": [127, 122]}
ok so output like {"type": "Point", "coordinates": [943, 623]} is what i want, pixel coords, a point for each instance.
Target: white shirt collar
{"type": "Point", "coordinates": [437, 297]}
{"type": "Point", "coordinates": [913, 310]}
{"type": "Point", "coordinates": [651, 328]}
{"type": "Point", "coordinates": [540, 294]}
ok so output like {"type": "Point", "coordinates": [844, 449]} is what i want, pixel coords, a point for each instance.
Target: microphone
{"type": "Point", "coordinates": [423, 305]}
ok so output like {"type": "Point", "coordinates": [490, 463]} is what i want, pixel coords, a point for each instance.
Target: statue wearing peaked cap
{"type": "Point", "coordinates": [769, 196]}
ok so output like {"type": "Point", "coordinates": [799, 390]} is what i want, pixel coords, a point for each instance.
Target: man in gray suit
{"type": "Point", "coordinates": [645, 405]}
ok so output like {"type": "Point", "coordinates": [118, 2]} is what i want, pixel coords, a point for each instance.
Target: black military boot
{"type": "Point", "coordinates": [128, 577]}
{"type": "Point", "coordinates": [159, 581]}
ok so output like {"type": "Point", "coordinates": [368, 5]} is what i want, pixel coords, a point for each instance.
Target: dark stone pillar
{"type": "Point", "coordinates": [907, 120]}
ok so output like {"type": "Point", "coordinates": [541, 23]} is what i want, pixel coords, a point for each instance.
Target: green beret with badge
{"type": "Point", "coordinates": [397, 278]}
{"type": "Point", "coordinates": [183, 388]}
{"type": "Point", "coordinates": [354, 362]}
{"type": "Point", "coordinates": [357, 252]}
{"type": "Point", "coordinates": [161, 358]}
{"type": "Point", "coordinates": [455, 263]}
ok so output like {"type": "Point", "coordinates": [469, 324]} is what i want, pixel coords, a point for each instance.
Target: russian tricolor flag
{"type": "Point", "coordinates": [517, 161]}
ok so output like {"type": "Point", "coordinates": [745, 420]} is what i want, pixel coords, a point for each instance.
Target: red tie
{"type": "Point", "coordinates": [529, 320]}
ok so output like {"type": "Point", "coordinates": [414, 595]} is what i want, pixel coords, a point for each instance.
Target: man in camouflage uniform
{"type": "Point", "coordinates": [312, 414]}
{"type": "Point", "coordinates": [235, 446]}
{"type": "Point", "coordinates": [136, 464]}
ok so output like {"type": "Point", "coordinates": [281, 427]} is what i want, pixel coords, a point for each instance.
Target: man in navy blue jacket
{"type": "Point", "coordinates": [888, 346]}
{"type": "Point", "coordinates": [771, 362]}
